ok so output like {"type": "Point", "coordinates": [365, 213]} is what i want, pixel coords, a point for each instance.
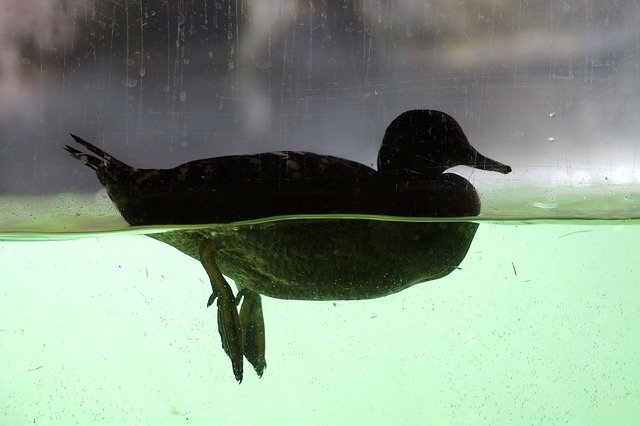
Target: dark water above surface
{"type": "Point", "coordinates": [539, 324]}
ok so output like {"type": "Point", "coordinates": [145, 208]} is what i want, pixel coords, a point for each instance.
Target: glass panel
{"type": "Point", "coordinates": [412, 211]}
{"type": "Point", "coordinates": [550, 89]}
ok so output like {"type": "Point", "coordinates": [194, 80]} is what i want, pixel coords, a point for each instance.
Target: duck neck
{"type": "Point", "coordinates": [396, 165]}
{"type": "Point", "coordinates": [400, 174]}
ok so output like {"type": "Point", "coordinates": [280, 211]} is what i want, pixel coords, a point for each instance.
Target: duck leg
{"type": "Point", "coordinates": [252, 323]}
{"type": "Point", "coordinates": [228, 320]}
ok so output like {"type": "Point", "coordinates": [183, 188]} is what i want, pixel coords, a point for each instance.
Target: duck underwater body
{"type": "Point", "coordinates": [308, 259]}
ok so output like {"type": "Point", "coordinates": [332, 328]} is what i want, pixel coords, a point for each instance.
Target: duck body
{"type": "Point", "coordinates": [238, 188]}
{"type": "Point", "coordinates": [319, 259]}
{"type": "Point", "coordinates": [312, 260]}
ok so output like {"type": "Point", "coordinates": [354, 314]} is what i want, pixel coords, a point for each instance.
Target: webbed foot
{"type": "Point", "coordinates": [228, 319]}
{"type": "Point", "coordinates": [252, 324]}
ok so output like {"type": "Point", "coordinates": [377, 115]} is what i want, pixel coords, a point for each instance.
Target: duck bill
{"type": "Point", "coordinates": [481, 162]}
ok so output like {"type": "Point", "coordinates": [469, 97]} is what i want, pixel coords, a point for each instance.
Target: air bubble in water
{"type": "Point", "coordinates": [142, 72]}
{"type": "Point", "coordinates": [551, 139]}
{"type": "Point", "coordinates": [129, 62]}
{"type": "Point", "coordinates": [183, 96]}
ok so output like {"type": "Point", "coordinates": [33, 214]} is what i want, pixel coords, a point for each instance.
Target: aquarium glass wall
{"type": "Point", "coordinates": [522, 308]}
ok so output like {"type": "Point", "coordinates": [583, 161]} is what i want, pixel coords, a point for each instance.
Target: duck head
{"type": "Point", "coordinates": [425, 143]}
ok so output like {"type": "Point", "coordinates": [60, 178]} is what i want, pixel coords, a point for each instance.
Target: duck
{"type": "Point", "coordinates": [319, 258]}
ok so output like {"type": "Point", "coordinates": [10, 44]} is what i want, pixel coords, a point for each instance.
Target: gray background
{"type": "Point", "coordinates": [551, 88]}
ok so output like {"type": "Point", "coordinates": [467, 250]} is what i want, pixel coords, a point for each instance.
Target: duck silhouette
{"type": "Point", "coordinates": [308, 259]}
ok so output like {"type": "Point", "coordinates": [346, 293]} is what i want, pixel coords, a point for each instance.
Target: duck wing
{"type": "Point", "coordinates": [271, 172]}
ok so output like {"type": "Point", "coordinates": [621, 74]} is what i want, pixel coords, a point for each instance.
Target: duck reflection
{"type": "Point", "coordinates": [308, 259]}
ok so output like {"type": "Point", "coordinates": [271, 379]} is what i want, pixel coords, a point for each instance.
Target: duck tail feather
{"type": "Point", "coordinates": [103, 158]}
{"type": "Point", "coordinates": [91, 161]}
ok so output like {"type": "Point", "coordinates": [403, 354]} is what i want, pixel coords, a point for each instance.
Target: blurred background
{"type": "Point", "coordinates": [551, 88]}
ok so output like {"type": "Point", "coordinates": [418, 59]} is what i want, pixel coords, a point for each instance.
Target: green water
{"type": "Point", "coordinates": [540, 325]}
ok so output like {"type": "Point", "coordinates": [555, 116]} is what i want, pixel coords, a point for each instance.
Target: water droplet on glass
{"type": "Point", "coordinates": [130, 82]}
{"type": "Point", "coordinates": [263, 65]}
{"type": "Point", "coordinates": [545, 205]}
{"type": "Point", "coordinates": [552, 139]}
{"type": "Point", "coordinates": [183, 96]}
{"type": "Point", "coordinates": [129, 62]}
{"type": "Point", "coordinates": [581, 179]}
